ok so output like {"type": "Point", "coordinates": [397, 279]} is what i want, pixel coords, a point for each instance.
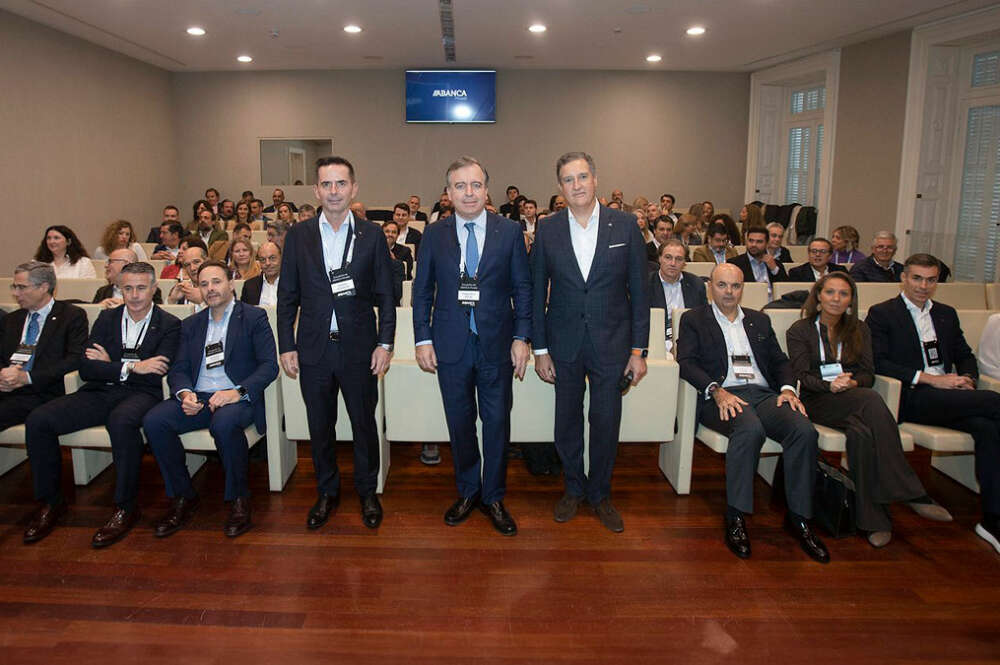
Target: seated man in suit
{"type": "Point", "coordinates": [129, 351]}
{"type": "Point", "coordinates": [529, 220]}
{"type": "Point", "coordinates": [716, 248]}
{"type": "Point", "coordinates": [263, 289]}
{"type": "Point", "coordinates": [413, 203]}
{"type": "Point", "coordinates": [920, 342]}
{"type": "Point", "coordinates": [208, 229]}
{"type": "Point", "coordinates": [757, 263]}
{"type": "Point", "coordinates": [186, 290]}
{"type": "Point", "coordinates": [732, 358]}
{"type": "Point", "coordinates": [820, 251]}
{"type": "Point", "coordinates": [110, 295]}
{"type": "Point", "coordinates": [407, 236]}
{"type": "Point", "coordinates": [662, 228]}
{"type": "Point", "coordinates": [775, 236]}
{"type": "Point", "coordinates": [227, 358]}
{"type": "Point", "coordinates": [171, 215]}
{"type": "Point", "coordinates": [398, 252]}
{"type": "Point", "coordinates": [671, 288]}
{"type": "Point", "coordinates": [879, 265]}
{"type": "Point", "coordinates": [278, 197]}
{"type": "Point", "coordinates": [169, 239]}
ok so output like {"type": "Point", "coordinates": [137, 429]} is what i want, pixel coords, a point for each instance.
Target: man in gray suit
{"type": "Point", "coordinates": [591, 261]}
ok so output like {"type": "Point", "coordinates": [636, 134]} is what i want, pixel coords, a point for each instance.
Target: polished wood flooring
{"type": "Point", "coordinates": [416, 591]}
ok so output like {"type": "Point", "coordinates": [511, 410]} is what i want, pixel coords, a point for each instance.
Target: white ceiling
{"type": "Point", "coordinates": [743, 35]}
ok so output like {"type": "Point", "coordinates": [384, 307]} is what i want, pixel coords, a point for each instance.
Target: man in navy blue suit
{"type": "Point", "coordinates": [591, 263]}
{"type": "Point", "coordinates": [226, 360]}
{"type": "Point", "coordinates": [474, 275]}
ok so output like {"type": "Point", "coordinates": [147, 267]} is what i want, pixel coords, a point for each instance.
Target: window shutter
{"type": "Point", "coordinates": [976, 238]}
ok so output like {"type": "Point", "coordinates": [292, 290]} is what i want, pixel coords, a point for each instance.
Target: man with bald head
{"type": "Point", "coordinates": [110, 295]}
{"type": "Point", "coordinates": [747, 388]}
{"type": "Point", "coordinates": [263, 289]}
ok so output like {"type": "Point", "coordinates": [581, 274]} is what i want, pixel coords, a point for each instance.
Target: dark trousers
{"type": "Point", "coordinates": [762, 418]}
{"type": "Point", "coordinates": [474, 375]}
{"type": "Point", "coordinates": [164, 424]}
{"type": "Point", "coordinates": [336, 372]}
{"type": "Point", "coordinates": [976, 412]}
{"type": "Point", "coordinates": [878, 466]}
{"type": "Point", "coordinates": [119, 408]}
{"type": "Point", "coordinates": [15, 407]}
{"type": "Point", "coordinates": [602, 374]}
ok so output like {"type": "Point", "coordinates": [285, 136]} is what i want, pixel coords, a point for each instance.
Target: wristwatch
{"type": "Point", "coordinates": [640, 352]}
{"type": "Point", "coordinates": [242, 391]}
{"type": "Point", "coordinates": [388, 347]}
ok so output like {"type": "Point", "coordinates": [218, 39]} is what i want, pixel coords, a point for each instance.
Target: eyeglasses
{"type": "Point", "coordinates": [17, 288]}
{"type": "Point", "coordinates": [125, 261]}
{"type": "Point", "coordinates": [819, 251]}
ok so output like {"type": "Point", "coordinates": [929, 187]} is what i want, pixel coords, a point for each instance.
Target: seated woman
{"type": "Point", "coordinates": [751, 216]}
{"type": "Point", "coordinates": [284, 212]}
{"type": "Point", "coordinates": [845, 241]}
{"type": "Point", "coordinates": [243, 260]}
{"type": "Point", "coordinates": [686, 229]}
{"type": "Point", "coordinates": [119, 235]}
{"type": "Point", "coordinates": [831, 353]}
{"type": "Point", "coordinates": [66, 253]}
{"type": "Point", "coordinates": [243, 217]}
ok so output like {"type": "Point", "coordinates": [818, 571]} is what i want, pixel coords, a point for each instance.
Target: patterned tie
{"type": "Point", "coordinates": [30, 338]}
{"type": "Point", "coordinates": [471, 265]}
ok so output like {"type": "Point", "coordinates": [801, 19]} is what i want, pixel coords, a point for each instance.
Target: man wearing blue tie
{"type": "Point", "coordinates": [474, 276]}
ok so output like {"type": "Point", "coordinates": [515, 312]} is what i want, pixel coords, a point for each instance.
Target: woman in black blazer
{"type": "Point", "coordinates": [836, 389]}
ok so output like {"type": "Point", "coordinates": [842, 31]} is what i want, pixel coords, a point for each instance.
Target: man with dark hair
{"type": "Point", "coordinates": [407, 236]}
{"type": "Point", "coordinates": [335, 270]}
{"type": "Point", "coordinates": [208, 228]}
{"type": "Point", "coordinates": [661, 227]}
{"type": "Point", "coordinates": [170, 235]}
{"type": "Point", "coordinates": [820, 251]}
{"type": "Point", "coordinates": [256, 210]}
{"type": "Point", "coordinates": [397, 251]}
{"type": "Point", "coordinates": [263, 289]}
{"type": "Point", "coordinates": [186, 290]}
{"type": "Point", "coordinates": [920, 343]}
{"type": "Point", "coordinates": [171, 215]}
{"type": "Point", "coordinates": [667, 207]}
{"type": "Point", "coordinates": [671, 288]}
{"type": "Point", "coordinates": [221, 250]}
{"type": "Point", "coordinates": [879, 266]}
{"type": "Point", "coordinates": [415, 213]}
{"type": "Point", "coordinates": [212, 197]}
{"type": "Point", "coordinates": [306, 211]}
{"type": "Point", "coordinates": [716, 248]}
{"type": "Point", "coordinates": [246, 196]}
{"type": "Point", "coordinates": [530, 217]}
{"type": "Point", "coordinates": [508, 209]}
{"type": "Point", "coordinates": [227, 211]}
{"type": "Point", "coordinates": [757, 263]}
{"type": "Point", "coordinates": [225, 361]}
{"type": "Point", "coordinates": [278, 197]}
{"type": "Point", "coordinates": [129, 350]}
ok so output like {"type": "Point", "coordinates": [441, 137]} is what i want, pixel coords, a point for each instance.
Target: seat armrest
{"type": "Point", "coordinates": [72, 382]}
{"type": "Point", "coordinates": [890, 389]}
{"type": "Point", "coordinates": [989, 383]}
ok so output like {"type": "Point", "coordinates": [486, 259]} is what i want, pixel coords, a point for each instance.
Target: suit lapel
{"type": "Point", "coordinates": [454, 250]}
{"type": "Point", "coordinates": [198, 350]}
{"type": "Point", "coordinates": [233, 331]}
{"type": "Point", "coordinates": [490, 242]}
{"type": "Point", "coordinates": [565, 244]}
{"type": "Point", "coordinates": [149, 338]}
{"type": "Point", "coordinates": [50, 325]}
{"type": "Point", "coordinates": [903, 313]}
{"type": "Point", "coordinates": [14, 330]}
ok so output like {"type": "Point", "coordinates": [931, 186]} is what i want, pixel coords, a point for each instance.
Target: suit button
{"type": "Point", "coordinates": [586, 291]}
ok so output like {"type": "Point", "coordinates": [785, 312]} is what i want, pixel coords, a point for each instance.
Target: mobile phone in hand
{"type": "Point", "coordinates": [625, 382]}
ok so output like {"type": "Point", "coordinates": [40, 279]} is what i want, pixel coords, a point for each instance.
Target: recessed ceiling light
{"type": "Point", "coordinates": [244, 58]}
{"type": "Point", "coordinates": [352, 28]}
{"type": "Point", "coordinates": [537, 27]}
{"type": "Point", "coordinates": [195, 31]}
{"type": "Point", "coordinates": [696, 30]}
{"type": "Point", "coordinates": [653, 58]}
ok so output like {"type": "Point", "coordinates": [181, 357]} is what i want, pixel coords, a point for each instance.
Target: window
{"type": "Point", "coordinates": [986, 69]}
{"type": "Point", "coordinates": [812, 99]}
{"type": "Point", "coordinates": [804, 129]}
{"type": "Point", "coordinates": [979, 209]}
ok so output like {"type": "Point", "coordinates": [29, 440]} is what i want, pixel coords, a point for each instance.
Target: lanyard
{"type": "Point", "coordinates": [348, 250]}
{"type": "Point", "coordinates": [822, 348]}
{"type": "Point", "coordinates": [142, 331]}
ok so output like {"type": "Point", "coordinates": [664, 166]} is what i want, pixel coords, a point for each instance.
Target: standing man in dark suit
{"type": "Point", "coordinates": [731, 355]}
{"type": "Point", "coordinates": [129, 350]}
{"type": "Point", "coordinates": [42, 342]}
{"type": "Point", "coordinates": [474, 276]}
{"type": "Point", "coordinates": [920, 342]}
{"type": "Point", "coordinates": [226, 360]}
{"type": "Point", "coordinates": [263, 289]}
{"type": "Point", "coordinates": [820, 251]}
{"type": "Point", "coordinates": [671, 288]}
{"type": "Point", "coordinates": [591, 262]}
{"type": "Point", "coordinates": [335, 270]}
{"type": "Point", "coordinates": [756, 263]}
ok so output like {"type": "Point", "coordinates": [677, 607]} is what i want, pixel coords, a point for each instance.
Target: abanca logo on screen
{"type": "Point", "coordinates": [449, 93]}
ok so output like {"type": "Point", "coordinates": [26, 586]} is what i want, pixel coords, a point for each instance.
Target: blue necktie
{"type": "Point", "coordinates": [30, 337]}
{"type": "Point", "coordinates": [471, 265]}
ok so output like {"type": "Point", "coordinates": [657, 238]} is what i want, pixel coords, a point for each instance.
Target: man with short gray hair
{"type": "Point", "coordinates": [879, 265]}
{"type": "Point", "coordinates": [110, 295]}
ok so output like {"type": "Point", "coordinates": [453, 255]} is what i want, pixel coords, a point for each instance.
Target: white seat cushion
{"type": "Point", "coordinates": [939, 438]}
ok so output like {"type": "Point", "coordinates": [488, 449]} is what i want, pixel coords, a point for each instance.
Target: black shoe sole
{"type": "Point", "coordinates": [164, 534]}
{"type": "Point", "coordinates": [37, 539]}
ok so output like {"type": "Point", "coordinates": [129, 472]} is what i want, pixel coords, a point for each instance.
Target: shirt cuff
{"type": "Point", "coordinates": [708, 395]}
{"type": "Point", "coordinates": [28, 375]}
{"type": "Point", "coordinates": [916, 378]}
{"type": "Point", "coordinates": [541, 352]}
{"type": "Point", "coordinates": [126, 370]}
{"type": "Point", "coordinates": [424, 342]}
{"type": "Point", "coordinates": [180, 392]}
{"type": "Point", "coordinates": [790, 387]}
{"type": "Point", "coordinates": [774, 270]}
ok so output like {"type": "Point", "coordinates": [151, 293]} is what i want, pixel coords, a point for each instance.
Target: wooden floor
{"type": "Point", "coordinates": [417, 591]}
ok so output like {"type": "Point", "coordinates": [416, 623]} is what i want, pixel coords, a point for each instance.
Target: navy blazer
{"type": "Point", "coordinates": [692, 289]}
{"type": "Point", "coordinates": [58, 351]}
{"type": "Point", "coordinates": [504, 309]}
{"type": "Point", "coordinates": [250, 358]}
{"type": "Point", "coordinates": [162, 338]}
{"type": "Point", "coordinates": [743, 263]}
{"type": "Point", "coordinates": [804, 273]}
{"type": "Point", "coordinates": [868, 270]}
{"type": "Point", "coordinates": [304, 291]}
{"type": "Point", "coordinates": [611, 304]}
{"type": "Point", "coordinates": [896, 343]}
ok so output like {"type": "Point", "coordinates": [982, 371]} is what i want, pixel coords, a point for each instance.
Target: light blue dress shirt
{"type": "Point", "coordinates": [216, 379]}
{"type": "Point", "coordinates": [333, 249]}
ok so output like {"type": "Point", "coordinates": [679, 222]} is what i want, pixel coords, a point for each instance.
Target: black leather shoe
{"type": "Point", "coordinates": [325, 506]}
{"type": "Point", "coordinates": [460, 510]}
{"type": "Point", "coordinates": [501, 519]}
{"type": "Point", "coordinates": [181, 510]}
{"type": "Point", "coordinates": [371, 511]}
{"type": "Point", "coordinates": [737, 538]}
{"type": "Point", "coordinates": [43, 521]}
{"type": "Point", "coordinates": [239, 517]}
{"type": "Point", "coordinates": [808, 541]}
{"type": "Point", "coordinates": [116, 528]}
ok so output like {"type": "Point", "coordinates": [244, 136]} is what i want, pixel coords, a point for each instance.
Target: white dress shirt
{"type": "Point", "coordinates": [269, 292]}
{"type": "Point", "coordinates": [333, 249]}
{"type": "Point", "coordinates": [737, 344]}
{"type": "Point", "coordinates": [82, 269]}
{"type": "Point", "coordinates": [133, 332]}
{"type": "Point", "coordinates": [584, 239]}
{"type": "Point", "coordinates": [672, 294]}
{"type": "Point", "coordinates": [925, 330]}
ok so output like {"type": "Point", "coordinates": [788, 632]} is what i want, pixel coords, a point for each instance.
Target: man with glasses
{"type": "Point", "coordinates": [263, 289]}
{"type": "Point", "coordinates": [879, 266]}
{"type": "Point", "coordinates": [110, 295]}
{"type": "Point", "coordinates": [820, 252]}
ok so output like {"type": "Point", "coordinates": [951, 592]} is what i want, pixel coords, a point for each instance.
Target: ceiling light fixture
{"type": "Point", "coordinates": [696, 31]}
{"type": "Point", "coordinates": [195, 31]}
{"type": "Point", "coordinates": [653, 58]}
{"type": "Point", "coordinates": [536, 28]}
{"type": "Point", "coordinates": [244, 58]}
{"type": "Point", "coordinates": [353, 29]}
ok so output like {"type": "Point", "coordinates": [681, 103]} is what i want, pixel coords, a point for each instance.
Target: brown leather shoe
{"type": "Point", "coordinates": [181, 510]}
{"type": "Point", "coordinates": [609, 517]}
{"type": "Point", "coordinates": [566, 507]}
{"type": "Point", "coordinates": [121, 523]}
{"type": "Point", "coordinates": [239, 517]}
{"type": "Point", "coordinates": [42, 522]}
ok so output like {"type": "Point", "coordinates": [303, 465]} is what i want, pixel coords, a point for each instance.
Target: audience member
{"type": "Point", "coordinates": [212, 198]}
{"type": "Point", "coordinates": [242, 260]}
{"type": "Point", "coordinates": [845, 240]}
{"type": "Point", "coordinates": [306, 211]}
{"type": "Point", "coordinates": [652, 213]}
{"type": "Point", "coordinates": [709, 209]}
{"type": "Point", "coordinates": [398, 252]}
{"type": "Point", "coordinates": [663, 228]}
{"type": "Point", "coordinates": [186, 291]}
{"type": "Point", "coordinates": [276, 232]}
{"type": "Point", "coordinates": [879, 266]}
{"type": "Point", "coordinates": [173, 270]}
{"type": "Point", "coordinates": [443, 202]}
{"type": "Point", "coordinates": [819, 263]}
{"type": "Point", "coordinates": [667, 207]}
{"type": "Point", "coordinates": [556, 203]}
{"type": "Point", "coordinates": [247, 196]}
{"type": "Point", "coordinates": [119, 235]}
{"type": "Point", "coordinates": [208, 229]}
{"type": "Point", "coordinates": [243, 217]}
{"type": "Point", "coordinates": [733, 231]}
{"type": "Point", "coordinates": [757, 263]}
{"type": "Point", "coordinates": [716, 248]}
{"type": "Point", "coordinates": [221, 250]}
{"type": "Point", "coordinates": [192, 226]}
{"type": "Point", "coordinates": [752, 216]}
{"type": "Point", "coordinates": [508, 209]}
{"type": "Point", "coordinates": [257, 210]}
{"type": "Point", "coordinates": [278, 197]}
{"type": "Point", "coordinates": [61, 249]}
{"type": "Point", "coordinates": [671, 288]}
{"type": "Point", "coordinates": [407, 236]}
{"type": "Point", "coordinates": [775, 236]}
{"type": "Point", "coordinates": [110, 295]}
{"type": "Point", "coordinates": [262, 289]}
{"type": "Point", "coordinates": [227, 213]}
{"type": "Point", "coordinates": [530, 217]}
{"type": "Point", "coordinates": [284, 213]}
{"type": "Point", "coordinates": [170, 242]}
{"type": "Point", "coordinates": [414, 205]}
{"type": "Point", "coordinates": [686, 229]}
{"type": "Point", "coordinates": [171, 215]}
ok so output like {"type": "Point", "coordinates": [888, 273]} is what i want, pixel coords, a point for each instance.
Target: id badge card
{"type": "Point", "coordinates": [22, 354]}
{"type": "Point", "coordinates": [668, 333]}
{"type": "Point", "coordinates": [932, 353]}
{"type": "Point", "coordinates": [468, 291]}
{"type": "Point", "coordinates": [341, 283]}
{"type": "Point", "coordinates": [830, 371]}
{"type": "Point", "coordinates": [130, 354]}
{"type": "Point", "coordinates": [214, 355]}
{"type": "Point", "coordinates": [743, 368]}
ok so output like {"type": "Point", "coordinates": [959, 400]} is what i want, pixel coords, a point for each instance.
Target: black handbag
{"type": "Point", "coordinates": [833, 501]}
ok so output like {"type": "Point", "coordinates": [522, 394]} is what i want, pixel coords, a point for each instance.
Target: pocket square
{"type": "Point", "coordinates": [621, 244]}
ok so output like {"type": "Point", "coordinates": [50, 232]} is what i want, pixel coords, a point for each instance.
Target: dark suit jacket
{"type": "Point", "coordinates": [162, 338]}
{"type": "Point", "coordinates": [896, 343]}
{"type": "Point", "coordinates": [652, 252]}
{"type": "Point", "coordinates": [271, 208]}
{"type": "Point", "coordinates": [108, 291]}
{"type": "Point", "coordinates": [867, 270]}
{"type": "Point", "coordinates": [250, 358]}
{"type": "Point", "coordinates": [803, 352]}
{"type": "Point", "coordinates": [508, 210]}
{"type": "Point", "coordinates": [743, 262]}
{"type": "Point", "coordinates": [611, 305]}
{"type": "Point", "coordinates": [692, 289]}
{"type": "Point", "coordinates": [784, 256]}
{"type": "Point", "coordinates": [413, 237]}
{"type": "Point", "coordinates": [251, 290]}
{"type": "Point", "coordinates": [402, 253]}
{"type": "Point", "coordinates": [504, 309]}
{"type": "Point", "coordinates": [58, 352]}
{"type": "Point", "coordinates": [804, 273]}
{"type": "Point", "coordinates": [304, 290]}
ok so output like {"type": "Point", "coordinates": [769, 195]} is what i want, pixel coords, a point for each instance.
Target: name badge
{"type": "Point", "coordinates": [341, 283]}
{"type": "Point", "coordinates": [830, 371]}
{"type": "Point", "coordinates": [22, 354]}
{"type": "Point", "coordinates": [468, 291]}
{"type": "Point", "coordinates": [932, 353]}
{"type": "Point", "coordinates": [668, 332]}
{"type": "Point", "coordinates": [742, 367]}
{"type": "Point", "coordinates": [214, 356]}
{"type": "Point", "coordinates": [130, 354]}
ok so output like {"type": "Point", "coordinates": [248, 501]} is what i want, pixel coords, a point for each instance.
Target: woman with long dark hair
{"type": "Point", "coordinates": [66, 253]}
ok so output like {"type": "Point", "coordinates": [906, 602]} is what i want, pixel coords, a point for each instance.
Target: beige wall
{"type": "Point", "coordinates": [870, 111]}
{"type": "Point", "coordinates": [648, 132]}
{"type": "Point", "coordinates": [87, 137]}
